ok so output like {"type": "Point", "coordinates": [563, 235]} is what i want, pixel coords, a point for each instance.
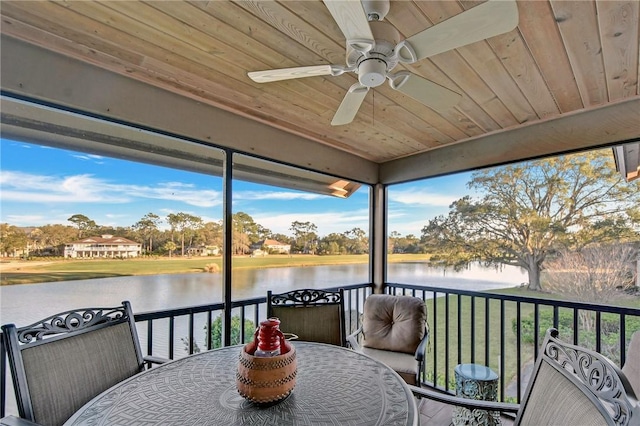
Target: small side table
{"type": "Point", "coordinates": [475, 381]}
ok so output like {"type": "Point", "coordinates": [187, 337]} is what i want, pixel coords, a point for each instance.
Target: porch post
{"type": "Point", "coordinates": [227, 226]}
{"type": "Point", "coordinates": [378, 234]}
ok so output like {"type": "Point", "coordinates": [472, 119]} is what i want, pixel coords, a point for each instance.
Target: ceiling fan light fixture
{"type": "Point", "coordinates": [372, 72]}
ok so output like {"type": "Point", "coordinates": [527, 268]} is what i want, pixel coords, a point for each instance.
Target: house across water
{"type": "Point", "coordinates": [106, 246]}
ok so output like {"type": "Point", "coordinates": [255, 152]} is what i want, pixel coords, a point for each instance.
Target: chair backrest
{"type": "Point", "coordinates": [312, 315]}
{"type": "Point", "coordinates": [62, 362]}
{"type": "Point", "coordinates": [394, 323]}
{"type": "Point", "coordinates": [631, 367]}
{"type": "Point", "coordinates": [571, 385]}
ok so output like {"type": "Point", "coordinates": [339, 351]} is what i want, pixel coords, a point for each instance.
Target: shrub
{"type": "Point", "coordinates": [216, 333]}
{"type": "Point", "coordinates": [212, 268]}
{"type": "Point", "coordinates": [609, 330]}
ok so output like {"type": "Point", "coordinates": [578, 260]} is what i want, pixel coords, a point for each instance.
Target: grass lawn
{"type": "Point", "coordinates": [460, 348]}
{"type": "Point", "coordinates": [63, 270]}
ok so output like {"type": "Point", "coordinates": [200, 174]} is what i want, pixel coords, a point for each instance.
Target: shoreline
{"type": "Point", "coordinates": [17, 272]}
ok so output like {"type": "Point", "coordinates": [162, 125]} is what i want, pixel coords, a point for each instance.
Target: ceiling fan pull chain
{"type": "Point", "coordinates": [373, 108]}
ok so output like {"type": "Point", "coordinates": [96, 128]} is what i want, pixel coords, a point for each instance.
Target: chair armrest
{"type": "Point", "coordinates": [155, 359]}
{"type": "Point", "coordinates": [352, 340]}
{"type": "Point", "coordinates": [422, 347]}
{"type": "Point", "coordinates": [472, 404]}
{"type": "Point", "coordinates": [16, 421]}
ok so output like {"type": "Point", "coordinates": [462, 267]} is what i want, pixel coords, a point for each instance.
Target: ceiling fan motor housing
{"type": "Point", "coordinates": [376, 10]}
{"type": "Point", "coordinates": [386, 38]}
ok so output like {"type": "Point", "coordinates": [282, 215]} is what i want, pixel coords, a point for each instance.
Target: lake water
{"type": "Point", "coordinates": [25, 304]}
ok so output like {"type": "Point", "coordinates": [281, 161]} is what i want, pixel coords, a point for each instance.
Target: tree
{"type": "Point", "coordinates": [281, 238]}
{"type": "Point", "coordinates": [56, 235]}
{"type": "Point", "coordinates": [210, 234]}
{"type": "Point", "coordinates": [529, 209]}
{"type": "Point", "coordinates": [357, 241]}
{"type": "Point", "coordinates": [148, 227]}
{"type": "Point", "coordinates": [170, 246]}
{"type": "Point", "coordinates": [240, 242]}
{"type": "Point", "coordinates": [262, 232]}
{"type": "Point", "coordinates": [216, 331]}
{"type": "Point", "coordinates": [392, 241]}
{"type": "Point", "coordinates": [595, 273]}
{"type": "Point", "coordinates": [244, 224]}
{"type": "Point", "coordinates": [12, 240]}
{"type": "Point", "coordinates": [83, 223]}
{"type": "Point", "coordinates": [185, 224]}
{"type": "Point", "coordinates": [35, 239]}
{"type": "Point", "coordinates": [305, 235]}
{"type": "Point", "coordinates": [333, 243]}
{"type": "Point", "coordinates": [410, 244]}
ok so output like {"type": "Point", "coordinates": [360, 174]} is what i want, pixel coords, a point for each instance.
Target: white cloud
{"type": "Point", "coordinates": [274, 195]}
{"type": "Point", "coordinates": [327, 222]}
{"type": "Point", "coordinates": [84, 188]}
{"type": "Point", "coordinates": [115, 216]}
{"type": "Point", "coordinates": [25, 220]}
{"type": "Point", "coordinates": [97, 159]}
{"type": "Point", "coordinates": [421, 197]}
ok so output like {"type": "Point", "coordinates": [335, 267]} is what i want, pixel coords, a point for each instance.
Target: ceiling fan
{"type": "Point", "coordinates": [374, 48]}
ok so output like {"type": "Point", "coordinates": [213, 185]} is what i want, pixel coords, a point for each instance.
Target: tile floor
{"type": "Point", "coordinates": [433, 413]}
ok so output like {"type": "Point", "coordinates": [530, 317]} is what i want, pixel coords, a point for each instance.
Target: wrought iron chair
{"type": "Point", "coordinates": [569, 385]}
{"type": "Point", "coordinates": [60, 363]}
{"type": "Point", "coordinates": [16, 421]}
{"type": "Point", "coordinates": [312, 315]}
{"type": "Point", "coordinates": [394, 331]}
{"type": "Point", "coordinates": [631, 367]}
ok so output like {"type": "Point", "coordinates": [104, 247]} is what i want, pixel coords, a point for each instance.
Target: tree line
{"type": "Point", "coordinates": [183, 230]}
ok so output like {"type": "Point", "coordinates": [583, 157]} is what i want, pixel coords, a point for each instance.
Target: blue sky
{"type": "Point", "coordinates": [41, 185]}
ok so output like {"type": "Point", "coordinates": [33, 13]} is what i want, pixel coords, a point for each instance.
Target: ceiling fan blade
{"type": "Point", "coordinates": [298, 72]}
{"type": "Point", "coordinates": [350, 105]}
{"type": "Point", "coordinates": [486, 20]}
{"type": "Point", "coordinates": [352, 20]}
{"type": "Point", "coordinates": [424, 91]}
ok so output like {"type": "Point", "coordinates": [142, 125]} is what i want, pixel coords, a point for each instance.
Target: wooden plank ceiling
{"type": "Point", "coordinates": [564, 56]}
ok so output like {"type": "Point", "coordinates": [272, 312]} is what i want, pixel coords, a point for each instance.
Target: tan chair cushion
{"type": "Point", "coordinates": [403, 364]}
{"type": "Point", "coordinates": [393, 323]}
{"type": "Point", "coordinates": [631, 367]}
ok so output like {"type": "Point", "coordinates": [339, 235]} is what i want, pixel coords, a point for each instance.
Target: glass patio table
{"type": "Point", "coordinates": [334, 386]}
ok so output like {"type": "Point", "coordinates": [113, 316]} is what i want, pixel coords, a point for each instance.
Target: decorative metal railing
{"type": "Point", "coordinates": [179, 332]}
{"type": "Point", "coordinates": [501, 331]}
{"type": "Point", "coordinates": [504, 332]}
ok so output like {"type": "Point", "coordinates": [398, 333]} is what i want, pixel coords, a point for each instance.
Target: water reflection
{"type": "Point", "coordinates": [27, 303]}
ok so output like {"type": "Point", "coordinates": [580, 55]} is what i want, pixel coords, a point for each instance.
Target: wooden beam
{"type": "Point", "coordinates": [613, 123]}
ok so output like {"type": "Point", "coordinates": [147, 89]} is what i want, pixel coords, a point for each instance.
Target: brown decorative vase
{"type": "Point", "coordinates": [266, 379]}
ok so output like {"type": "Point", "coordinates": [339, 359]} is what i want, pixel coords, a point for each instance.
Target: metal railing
{"type": "Point", "coordinates": [497, 330]}
{"type": "Point", "coordinates": [180, 332]}
{"type": "Point", "coordinates": [504, 332]}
